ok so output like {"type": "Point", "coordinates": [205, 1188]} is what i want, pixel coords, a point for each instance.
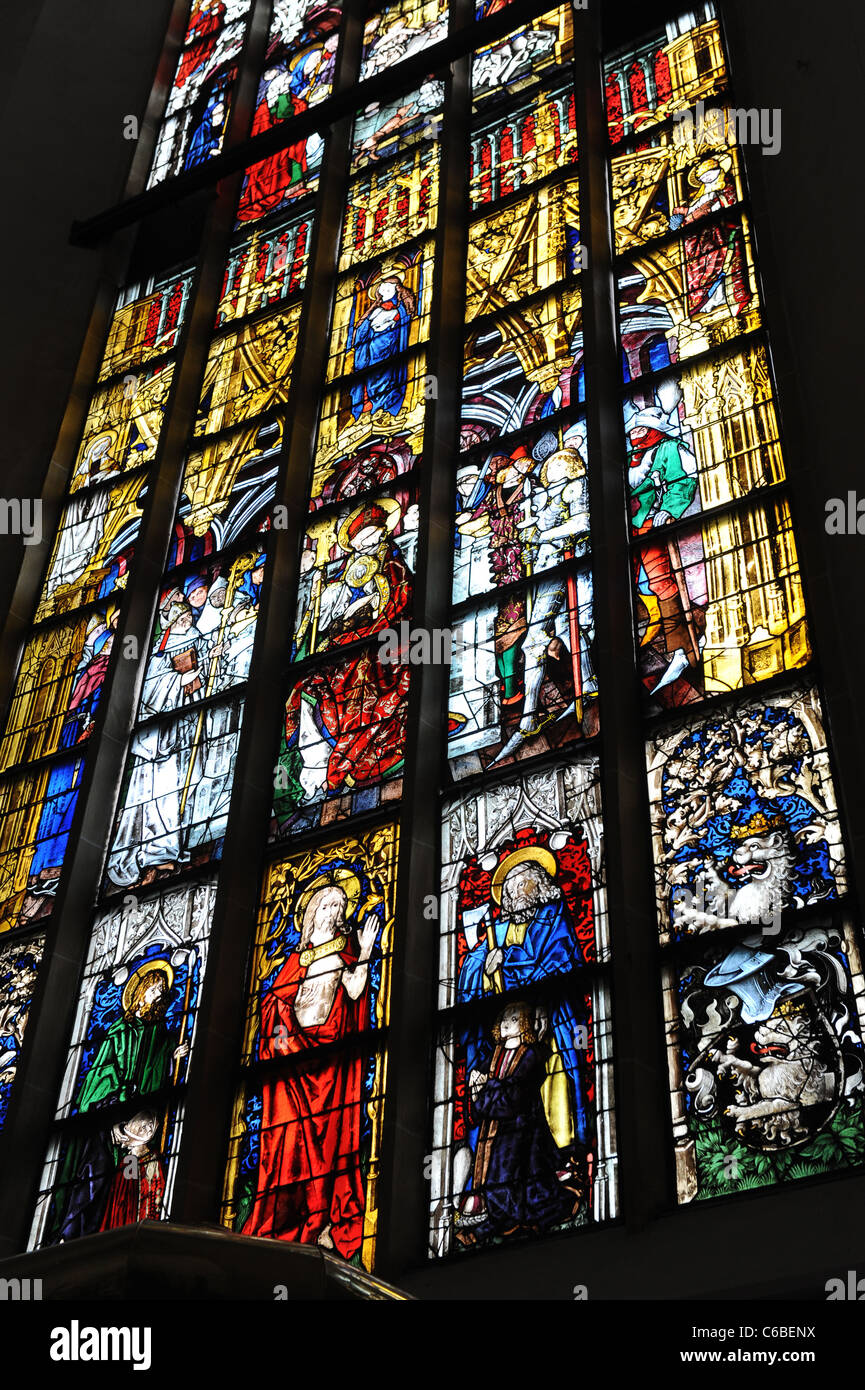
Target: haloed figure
{"type": "Point", "coordinates": [310, 1187]}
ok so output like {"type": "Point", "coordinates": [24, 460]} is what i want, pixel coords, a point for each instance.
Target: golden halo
{"type": "Point", "coordinates": [723, 160]}
{"type": "Point", "coordinates": [161, 966]}
{"type": "Point", "coordinates": [334, 878]}
{"type": "Point", "coordinates": [387, 504]}
{"type": "Point", "coordinates": [390, 273]}
{"type": "Point", "coordinates": [537, 852]}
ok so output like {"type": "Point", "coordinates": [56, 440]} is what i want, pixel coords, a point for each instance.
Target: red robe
{"type": "Point", "coordinates": [363, 708]}
{"type": "Point", "coordinates": [309, 1163]}
{"type": "Point", "coordinates": [268, 182]}
{"type": "Point", "coordinates": [201, 40]}
{"type": "Point", "coordinates": [134, 1199]}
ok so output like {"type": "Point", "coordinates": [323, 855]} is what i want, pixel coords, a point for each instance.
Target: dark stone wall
{"type": "Point", "coordinates": [70, 70]}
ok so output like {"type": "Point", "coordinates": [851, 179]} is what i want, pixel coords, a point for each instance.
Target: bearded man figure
{"type": "Point", "coordinates": [532, 938]}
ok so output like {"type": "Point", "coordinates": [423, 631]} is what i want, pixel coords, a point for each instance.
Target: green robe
{"type": "Point", "coordinates": [677, 486]}
{"type": "Point", "coordinates": [134, 1059]}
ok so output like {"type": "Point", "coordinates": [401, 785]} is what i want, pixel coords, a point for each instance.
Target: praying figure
{"type": "Point", "coordinates": [519, 1182]}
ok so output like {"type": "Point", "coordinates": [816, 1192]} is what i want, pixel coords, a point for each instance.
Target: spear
{"type": "Point", "coordinates": [181, 1039]}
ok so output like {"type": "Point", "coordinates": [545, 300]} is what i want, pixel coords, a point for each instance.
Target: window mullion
{"type": "Point", "coordinates": [641, 1104]}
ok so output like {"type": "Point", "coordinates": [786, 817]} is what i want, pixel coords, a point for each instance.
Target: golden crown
{"type": "Point", "coordinates": [758, 824]}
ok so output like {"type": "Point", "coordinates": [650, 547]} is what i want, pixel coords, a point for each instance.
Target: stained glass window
{"type": "Point", "coordinates": [362, 433]}
{"type": "Point", "coordinates": [765, 1077]}
{"type": "Point", "coordinates": [114, 1150]}
{"type": "Point", "coordinates": [524, 1049]}
{"type": "Point", "coordinates": [199, 103]}
{"type": "Point", "coordinates": [306, 1137]}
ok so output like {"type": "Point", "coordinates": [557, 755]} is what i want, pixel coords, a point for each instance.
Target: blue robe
{"type": "Point", "coordinates": [386, 388]}
{"type": "Point", "coordinates": [549, 948]}
{"type": "Point", "coordinates": [206, 138]}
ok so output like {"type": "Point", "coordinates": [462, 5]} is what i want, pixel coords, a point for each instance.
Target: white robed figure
{"type": "Point", "coordinates": [152, 825]}
{"type": "Point", "coordinates": [85, 518]}
{"type": "Point", "coordinates": [151, 830]}
{"type": "Point", "coordinates": [177, 668]}
{"type": "Point", "coordinates": [211, 796]}
{"type": "Point", "coordinates": [210, 618]}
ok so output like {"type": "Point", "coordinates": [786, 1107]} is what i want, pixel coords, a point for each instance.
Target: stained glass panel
{"type": "Point", "coordinates": [123, 426]}
{"type": "Point", "coordinates": [306, 1136]}
{"type": "Point", "coordinates": [199, 103]}
{"type": "Point", "coordinates": [522, 680]}
{"type": "Point", "coordinates": [19, 967]}
{"type": "Point", "coordinates": [764, 1047]}
{"type": "Point", "coordinates": [94, 546]}
{"type": "Point", "coordinates": [400, 30]}
{"type": "Point", "coordinates": [521, 510]}
{"type": "Point", "coordinates": [339, 894]}
{"type": "Point", "coordinates": [227, 491]}
{"type": "Point", "coordinates": [265, 268]}
{"type": "Point", "coordinates": [135, 1021]}
{"type": "Point", "coordinates": [378, 314]}
{"type": "Point", "coordinates": [529, 246]}
{"type": "Point", "coordinates": [523, 59]}
{"type": "Point", "coordinates": [687, 296]}
{"type": "Point", "coordinates": [388, 206]}
{"type": "Point", "coordinates": [204, 633]}
{"type": "Point", "coordinates": [248, 371]}
{"type": "Point", "coordinates": [522, 366]}
{"type": "Point", "coordinates": [702, 437]}
{"type": "Point", "coordinates": [110, 1177]}
{"type": "Point", "coordinates": [36, 810]}
{"type": "Point", "coordinates": [667, 72]}
{"type": "Point", "coordinates": [674, 179]}
{"type": "Point", "coordinates": [744, 816]}
{"type": "Point", "coordinates": [175, 796]}
{"type": "Point", "coordinates": [58, 687]}
{"type": "Point", "coordinates": [300, 61]}
{"type": "Point", "coordinates": [146, 325]}
{"type": "Point", "coordinates": [513, 848]}
{"type": "Point", "coordinates": [719, 606]}
{"type": "Point", "coordinates": [342, 748]}
{"type": "Point", "coordinates": [280, 179]}
{"type": "Point", "coordinates": [384, 129]}
{"type": "Point", "coordinates": [505, 1089]}
{"type": "Point", "coordinates": [370, 431]}
{"type": "Point", "coordinates": [356, 571]}
{"type": "Point", "coordinates": [524, 144]}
